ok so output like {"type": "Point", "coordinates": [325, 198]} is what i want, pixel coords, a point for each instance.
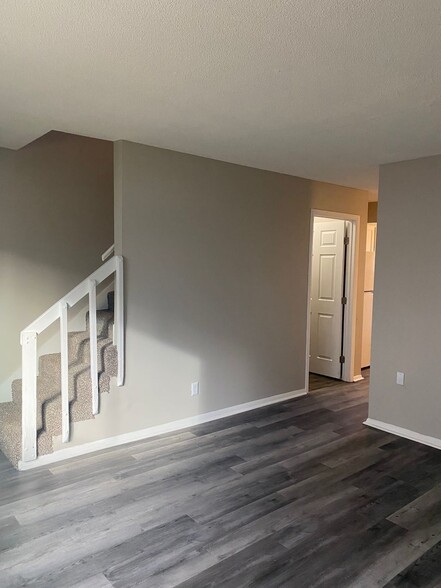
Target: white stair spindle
{"type": "Point", "coordinates": [119, 318]}
{"type": "Point", "coordinates": [93, 346]}
{"type": "Point", "coordinates": [29, 395]}
{"type": "Point", "coordinates": [65, 424]}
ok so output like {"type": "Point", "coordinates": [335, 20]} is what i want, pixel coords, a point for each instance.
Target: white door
{"type": "Point", "coordinates": [327, 297]}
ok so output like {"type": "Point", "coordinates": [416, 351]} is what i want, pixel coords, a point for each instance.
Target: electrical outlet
{"type": "Point", "coordinates": [400, 378]}
{"type": "Point", "coordinates": [195, 389]}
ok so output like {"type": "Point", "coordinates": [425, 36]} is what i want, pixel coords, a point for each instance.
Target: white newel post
{"type": "Point", "coordinates": [93, 346]}
{"type": "Point", "coordinates": [64, 373]}
{"type": "Point", "coordinates": [29, 395]}
{"type": "Point", "coordinates": [119, 318]}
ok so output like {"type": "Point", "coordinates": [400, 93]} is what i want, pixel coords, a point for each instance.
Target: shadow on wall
{"type": "Point", "coordinates": [57, 219]}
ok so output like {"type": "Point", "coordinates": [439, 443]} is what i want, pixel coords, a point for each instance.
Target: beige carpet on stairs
{"type": "Point", "coordinates": [49, 389]}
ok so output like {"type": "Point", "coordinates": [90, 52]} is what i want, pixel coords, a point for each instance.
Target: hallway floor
{"type": "Point", "coordinates": [298, 494]}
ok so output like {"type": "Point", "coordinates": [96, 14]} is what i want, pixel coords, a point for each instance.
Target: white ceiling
{"type": "Point", "coordinates": [324, 89]}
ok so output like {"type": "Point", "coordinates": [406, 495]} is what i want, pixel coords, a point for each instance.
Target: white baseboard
{"type": "Point", "coordinates": [199, 419]}
{"type": "Point", "coordinates": [406, 433]}
{"type": "Point", "coordinates": [357, 378]}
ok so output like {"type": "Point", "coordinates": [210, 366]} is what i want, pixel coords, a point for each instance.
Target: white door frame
{"type": "Point", "coordinates": [351, 289]}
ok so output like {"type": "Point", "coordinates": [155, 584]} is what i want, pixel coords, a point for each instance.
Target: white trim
{"type": "Point", "coordinates": [119, 318]}
{"type": "Point", "coordinates": [351, 283]}
{"type": "Point", "coordinates": [406, 433]}
{"type": "Point", "coordinates": [308, 301]}
{"type": "Point", "coordinates": [351, 308]}
{"type": "Point", "coordinates": [29, 395]}
{"type": "Point", "coordinates": [93, 446]}
{"type": "Point", "coordinates": [93, 347]}
{"type": "Point", "coordinates": [64, 345]}
{"type": "Point", "coordinates": [358, 378]}
{"type": "Point", "coordinates": [108, 252]}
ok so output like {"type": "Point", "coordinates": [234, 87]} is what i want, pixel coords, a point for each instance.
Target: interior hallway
{"type": "Point", "coordinates": [295, 494]}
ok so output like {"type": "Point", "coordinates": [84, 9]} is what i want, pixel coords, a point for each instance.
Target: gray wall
{"type": "Point", "coordinates": [4, 154]}
{"type": "Point", "coordinates": [407, 317]}
{"type": "Point", "coordinates": [216, 268]}
{"type": "Point", "coordinates": [216, 285]}
{"type": "Point", "coordinates": [56, 202]}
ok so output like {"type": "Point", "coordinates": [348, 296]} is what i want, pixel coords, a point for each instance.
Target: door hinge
{"type": "Point", "coordinates": [346, 241]}
{"type": "Point", "coordinates": [344, 300]}
{"type": "Point", "coordinates": [342, 359]}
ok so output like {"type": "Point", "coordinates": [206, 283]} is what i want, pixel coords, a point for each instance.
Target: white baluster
{"type": "Point", "coordinates": [65, 425]}
{"type": "Point", "coordinates": [29, 395]}
{"type": "Point", "coordinates": [119, 318]}
{"type": "Point", "coordinates": [93, 346]}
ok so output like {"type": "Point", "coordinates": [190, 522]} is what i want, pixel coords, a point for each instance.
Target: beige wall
{"type": "Point", "coordinates": [407, 318]}
{"type": "Point", "coordinates": [372, 212]}
{"type": "Point", "coordinates": [56, 199]}
{"type": "Point", "coordinates": [216, 284]}
{"type": "Point", "coordinates": [350, 201]}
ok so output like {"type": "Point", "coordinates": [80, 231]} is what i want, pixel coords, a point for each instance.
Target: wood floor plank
{"type": "Point", "coordinates": [332, 560]}
{"type": "Point", "coordinates": [425, 571]}
{"type": "Point", "coordinates": [299, 493]}
{"type": "Point", "coordinates": [427, 507]}
{"type": "Point", "coordinates": [245, 567]}
{"type": "Point", "coordinates": [97, 581]}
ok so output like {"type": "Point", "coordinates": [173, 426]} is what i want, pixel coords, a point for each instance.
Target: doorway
{"type": "Point", "coordinates": [368, 296]}
{"type": "Point", "coordinates": [331, 300]}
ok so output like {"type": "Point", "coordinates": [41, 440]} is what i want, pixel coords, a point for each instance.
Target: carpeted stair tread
{"type": "Point", "coordinates": [49, 418]}
{"type": "Point", "coordinates": [49, 389]}
{"type": "Point", "coordinates": [48, 382]}
{"type": "Point", "coordinates": [10, 431]}
{"type": "Point", "coordinates": [104, 320]}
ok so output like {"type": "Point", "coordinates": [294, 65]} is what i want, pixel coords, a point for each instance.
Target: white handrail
{"type": "Point", "coordinates": [58, 311]}
{"type": "Point", "coordinates": [108, 252]}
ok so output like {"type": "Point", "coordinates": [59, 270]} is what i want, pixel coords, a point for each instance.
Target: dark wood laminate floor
{"type": "Point", "coordinates": [299, 494]}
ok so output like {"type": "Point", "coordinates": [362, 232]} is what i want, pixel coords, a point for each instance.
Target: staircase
{"type": "Point", "coordinates": [49, 388]}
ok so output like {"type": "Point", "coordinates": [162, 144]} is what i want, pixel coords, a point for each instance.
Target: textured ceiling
{"type": "Point", "coordinates": [324, 89]}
